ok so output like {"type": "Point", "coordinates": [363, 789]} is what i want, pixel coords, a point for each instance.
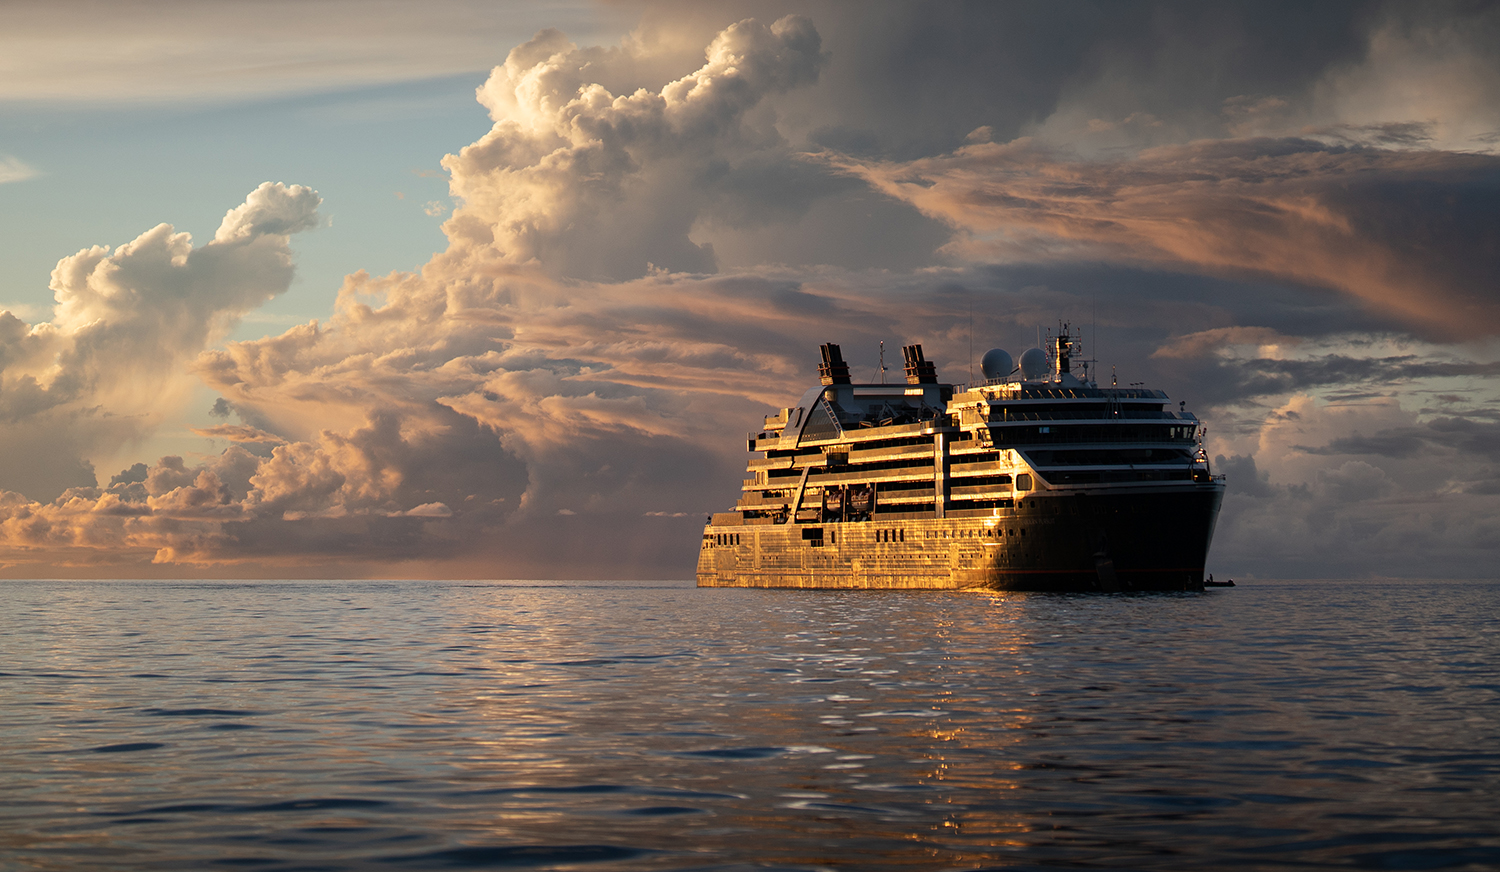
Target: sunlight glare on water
{"type": "Point", "coordinates": [412, 725]}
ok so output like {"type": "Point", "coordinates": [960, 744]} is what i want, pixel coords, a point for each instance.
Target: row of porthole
{"type": "Point", "coordinates": [892, 535]}
{"type": "Point", "coordinates": [969, 534]}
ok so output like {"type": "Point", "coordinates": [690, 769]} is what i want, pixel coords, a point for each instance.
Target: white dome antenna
{"type": "Point", "coordinates": [996, 364]}
{"type": "Point", "coordinates": [1034, 363]}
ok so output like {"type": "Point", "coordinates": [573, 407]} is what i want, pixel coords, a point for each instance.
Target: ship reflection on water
{"type": "Point", "coordinates": [657, 726]}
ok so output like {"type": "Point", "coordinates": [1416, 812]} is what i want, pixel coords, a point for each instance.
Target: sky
{"type": "Point", "coordinates": [343, 288]}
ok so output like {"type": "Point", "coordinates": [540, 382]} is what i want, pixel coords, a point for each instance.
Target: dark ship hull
{"type": "Point", "coordinates": [1119, 542]}
{"type": "Point", "coordinates": [1049, 484]}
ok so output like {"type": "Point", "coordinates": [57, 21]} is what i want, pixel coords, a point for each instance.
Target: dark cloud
{"type": "Point", "coordinates": [1409, 234]}
{"type": "Point", "coordinates": [1228, 381]}
{"type": "Point", "coordinates": [906, 81]}
{"type": "Point", "coordinates": [1389, 443]}
{"type": "Point", "coordinates": [1248, 481]}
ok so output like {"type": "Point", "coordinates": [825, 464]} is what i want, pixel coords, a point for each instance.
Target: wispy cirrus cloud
{"type": "Point", "coordinates": [14, 169]}
{"type": "Point", "coordinates": [156, 51]}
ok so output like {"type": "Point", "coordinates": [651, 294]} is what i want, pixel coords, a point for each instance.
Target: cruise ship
{"type": "Point", "coordinates": [1034, 479]}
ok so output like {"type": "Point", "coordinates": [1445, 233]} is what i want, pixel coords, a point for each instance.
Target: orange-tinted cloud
{"type": "Point", "coordinates": [1412, 233]}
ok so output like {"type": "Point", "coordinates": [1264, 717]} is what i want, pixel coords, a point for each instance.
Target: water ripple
{"type": "Point", "coordinates": [349, 726]}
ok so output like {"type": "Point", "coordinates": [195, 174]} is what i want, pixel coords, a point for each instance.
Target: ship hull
{"type": "Point", "coordinates": [1119, 540]}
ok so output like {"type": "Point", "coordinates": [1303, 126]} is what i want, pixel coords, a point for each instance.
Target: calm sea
{"type": "Point", "coordinates": [583, 725]}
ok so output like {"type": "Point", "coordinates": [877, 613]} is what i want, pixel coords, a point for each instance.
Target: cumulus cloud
{"type": "Point", "coordinates": [271, 210]}
{"type": "Point", "coordinates": [111, 362]}
{"type": "Point", "coordinates": [594, 185]}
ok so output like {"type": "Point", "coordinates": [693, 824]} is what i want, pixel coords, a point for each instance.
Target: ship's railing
{"type": "Point", "coordinates": [1006, 415]}
{"type": "Point", "coordinates": [1038, 392]}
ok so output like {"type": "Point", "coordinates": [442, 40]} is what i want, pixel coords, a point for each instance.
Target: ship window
{"type": "Point", "coordinates": [903, 535]}
{"type": "Point", "coordinates": [1023, 481]}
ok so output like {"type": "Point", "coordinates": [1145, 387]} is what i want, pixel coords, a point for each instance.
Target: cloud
{"type": "Point", "coordinates": [271, 210]}
{"type": "Point", "coordinates": [111, 363]}
{"type": "Point", "coordinates": [1428, 79]}
{"type": "Point", "coordinates": [77, 51]}
{"type": "Point", "coordinates": [1408, 233]}
{"type": "Point", "coordinates": [599, 186]}
{"type": "Point", "coordinates": [14, 170]}
{"type": "Point", "coordinates": [237, 433]}
{"type": "Point", "coordinates": [1412, 498]}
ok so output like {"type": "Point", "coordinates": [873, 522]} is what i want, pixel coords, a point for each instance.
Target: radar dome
{"type": "Point", "coordinates": [1034, 363]}
{"type": "Point", "coordinates": [996, 364]}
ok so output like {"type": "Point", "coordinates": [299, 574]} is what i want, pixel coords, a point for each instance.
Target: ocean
{"type": "Point", "coordinates": [352, 725]}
